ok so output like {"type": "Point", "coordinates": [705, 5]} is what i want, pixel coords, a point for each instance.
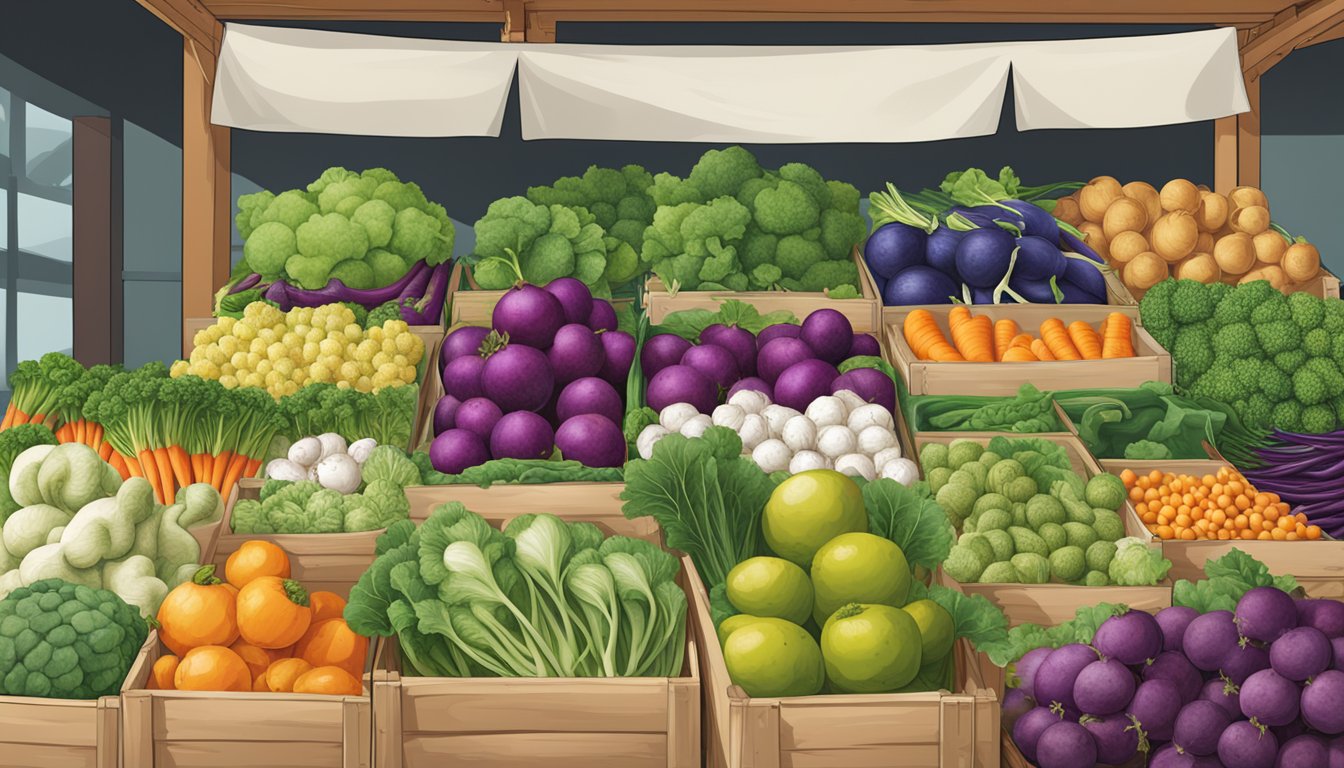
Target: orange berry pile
{"type": "Point", "coordinates": [1223, 506]}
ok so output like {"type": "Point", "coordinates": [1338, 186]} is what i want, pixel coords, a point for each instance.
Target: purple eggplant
{"type": "Point", "coordinates": [250, 281]}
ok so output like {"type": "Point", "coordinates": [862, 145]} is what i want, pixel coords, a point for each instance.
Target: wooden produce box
{"type": "Point", "coordinates": [1051, 604]}
{"type": "Point", "coordinates": [1318, 566]}
{"type": "Point", "coordinates": [928, 377]}
{"type": "Point", "coordinates": [938, 728]}
{"type": "Point", "coordinates": [864, 311]}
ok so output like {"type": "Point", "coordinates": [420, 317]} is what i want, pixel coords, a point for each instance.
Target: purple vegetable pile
{"type": "Point", "coordinates": [549, 373]}
{"type": "Point", "coordinates": [1304, 470]}
{"type": "Point", "coordinates": [791, 364]}
{"type": "Point", "coordinates": [1261, 687]}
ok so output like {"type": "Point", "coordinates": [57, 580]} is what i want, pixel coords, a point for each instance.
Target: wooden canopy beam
{"type": "Point", "coordinates": [361, 10]}
{"type": "Point", "coordinates": [1296, 27]}
{"type": "Point", "coordinates": [189, 18]}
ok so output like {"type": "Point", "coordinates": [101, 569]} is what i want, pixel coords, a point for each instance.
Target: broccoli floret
{"type": "Point", "coordinates": [550, 257]}
{"type": "Point", "coordinates": [1288, 416]}
{"type": "Point", "coordinates": [353, 273]}
{"type": "Point", "coordinates": [326, 240]}
{"type": "Point", "coordinates": [1237, 305]}
{"type": "Point", "coordinates": [1309, 387]}
{"type": "Point", "coordinates": [1329, 373]}
{"type": "Point", "coordinates": [269, 246]}
{"type": "Point", "coordinates": [1290, 361]}
{"type": "Point", "coordinates": [764, 276]}
{"type": "Point", "coordinates": [1192, 353]}
{"type": "Point", "coordinates": [1236, 341]}
{"type": "Point", "coordinates": [796, 255]}
{"type": "Point", "coordinates": [1307, 311]}
{"type": "Point", "coordinates": [1334, 317]}
{"type": "Point", "coordinates": [387, 267]}
{"type": "Point", "coordinates": [1155, 308]}
{"type": "Point", "coordinates": [416, 236]}
{"type": "Point", "coordinates": [390, 310]}
{"type": "Point", "coordinates": [721, 172]}
{"type": "Point", "coordinates": [1318, 419]}
{"type": "Point", "coordinates": [1258, 411]}
{"type": "Point", "coordinates": [1278, 336]}
{"type": "Point", "coordinates": [377, 218]}
{"type": "Point", "coordinates": [1317, 343]}
{"type": "Point", "coordinates": [333, 196]}
{"type": "Point", "coordinates": [830, 274]}
{"type": "Point", "coordinates": [844, 197]}
{"type": "Point", "coordinates": [1270, 310]}
{"type": "Point", "coordinates": [840, 232]}
{"type": "Point", "coordinates": [786, 210]}
{"type": "Point", "coordinates": [250, 206]}
{"type": "Point", "coordinates": [1191, 302]}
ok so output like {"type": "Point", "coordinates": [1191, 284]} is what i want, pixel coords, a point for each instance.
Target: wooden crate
{"type": "Point", "coordinates": [938, 728]}
{"type": "Point", "coordinates": [1317, 565]}
{"type": "Point", "coordinates": [864, 311]}
{"type": "Point", "coordinates": [928, 377]}
{"type": "Point", "coordinates": [1050, 604]}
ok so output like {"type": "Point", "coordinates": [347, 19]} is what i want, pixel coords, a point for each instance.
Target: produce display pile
{"type": "Point", "coordinates": [977, 339]}
{"type": "Point", "coordinates": [1219, 506]}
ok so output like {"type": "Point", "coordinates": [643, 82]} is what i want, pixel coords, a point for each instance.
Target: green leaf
{"type": "Point", "coordinates": [868, 361]}
{"type": "Point", "coordinates": [973, 617]}
{"type": "Point", "coordinates": [719, 606]}
{"type": "Point", "coordinates": [913, 521]}
{"type": "Point", "coordinates": [1028, 637]}
{"type": "Point", "coordinates": [845, 291]}
{"type": "Point", "coordinates": [689, 323]}
{"type": "Point", "coordinates": [516, 472]}
{"type": "Point", "coordinates": [1227, 579]}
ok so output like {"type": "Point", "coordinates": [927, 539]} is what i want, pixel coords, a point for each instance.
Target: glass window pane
{"type": "Point", "coordinates": [4, 124]}
{"type": "Point", "coordinates": [47, 227]}
{"type": "Point", "coordinates": [152, 322]}
{"type": "Point", "coordinates": [4, 366]}
{"type": "Point", "coordinates": [46, 324]}
{"type": "Point", "coordinates": [50, 160]}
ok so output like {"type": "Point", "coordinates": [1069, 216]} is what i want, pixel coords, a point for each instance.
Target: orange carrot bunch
{"type": "Point", "coordinates": [976, 339]}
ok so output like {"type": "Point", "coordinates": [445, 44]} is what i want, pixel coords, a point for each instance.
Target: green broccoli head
{"type": "Point", "coordinates": [387, 267]}
{"type": "Point", "coordinates": [334, 195]}
{"type": "Point", "coordinates": [1288, 416]}
{"type": "Point", "coordinates": [326, 240]}
{"type": "Point", "coordinates": [1307, 311]}
{"type": "Point", "coordinates": [290, 208]}
{"type": "Point", "coordinates": [757, 249]}
{"type": "Point", "coordinates": [1277, 336]}
{"type": "Point", "coordinates": [840, 232]}
{"type": "Point", "coordinates": [1309, 387]}
{"type": "Point", "coordinates": [722, 172]}
{"type": "Point", "coordinates": [390, 310]}
{"type": "Point", "coordinates": [828, 275]}
{"type": "Point", "coordinates": [1155, 307]}
{"type": "Point", "coordinates": [796, 255]}
{"type": "Point", "coordinates": [401, 196]}
{"type": "Point", "coordinates": [353, 273]}
{"type": "Point", "coordinates": [1317, 342]}
{"type": "Point", "coordinates": [416, 236]}
{"type": "Point", "coordinates": [269, 247]}
{"type": "Point", "coordinates": [377, 219]}
{"type": "Point", "coordinates": [1191, 302]}
{"type": "Point", "coordinates": [1193, 354]}
{"type": "Point", "coordinates": [250, 206]}
{"type": "Point", "coordinates": [330, 176]}
{"type": "Point", "coordinates": [1241, 301]}
{"type": "Point", "coordinates": [786, 210]}
{"type": "Point", "coordinates": [509, 225]}
{"type": "Point", "coordinates": [807, 177]}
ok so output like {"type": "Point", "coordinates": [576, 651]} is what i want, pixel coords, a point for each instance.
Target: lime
{"type": "Point", "coordinates": [774, 657]}
{"type": "Point", "coordinates": [858, 568]}
{"type": "Point", "coordinates": [808, 510]}
{"type": "Point", "coordinates": [731, 623]}
{"type": "Point", "coordinates": [935, 629]}
{"type": "Point", "coordinates": [770, 586]}
{"type": "Point", "coordinates": [870, 648]}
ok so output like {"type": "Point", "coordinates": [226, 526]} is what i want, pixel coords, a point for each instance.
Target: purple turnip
{"type": "Point", "coordinates": [1224, 693]}
{"type": "Point", "coordinates": [1325, 615]}
{"type": "Point", "coordinates": [776, 331]}
{"type": "Point", "coordinates": [457, 449]}
{"type": "Point", "coordinates": [462, 377]}
{"type": "Point", "coordinates": [751, 382]}
{"type": "Point", "coordinates": [522, 435]}
{"type": "Point", "coordinates": [1306, 751]}
{"type": "Point", "coordinates": [1244, 745]}
{"type": "Point", "coordinates": [529, 315]}
{"type": "Point", "coordinates": [1270, 698]}
{"type": "Point", "coordinates": [1053, 683]}
{"type": "Point", "coordinates": [1117, 741]}
{"type": "Point", "coordinates": [602, 317]}
{"type": "Point", "coordinates": [1209, 639]}
{"type": "Point", "coordinates": [1026, 667]}
{"type": "Point", "coordinates": [865, 345]}
{"type": "Point", "coordinates": [1198, 726]}
{"type": "Point", "coordinates": [1029, 727]}
{"type": "Point", "coordinates": [1244, 660]}
{"type": "Point", "coordinates": [1335, 752]}
{"type": "Point", "coordinates": [576, 301]}
{"type": "Point", "coordinates": [803, 382]}
{"type": "Point", "coordinates": [618, 348]}
{"type": "Point", "coordinates": [1323, 702]}
{"type": "Point", "coordinates": [576, 352]}
{"type": "Point", "coordinates": [715, 362]}
{"type": "Point", "coordinates": [1130, 638]}
{"type": "Point", "coordinates": [894, 246]}
{"type": "Point", "coordinates": [1264, 613]}
{"type": "Point", "coordinates": [681, 384]}
{"type": "Point", "coordinates": [1103, 687]}
{"type": "Point", "coordinates": [869, 384]}
{"type": "Point", "coordinates": [1016, 703]}
{"type": "Point", "coordinates": [466, 340]}
{"type": "Point", "coordinates": [661, 351]}
{"type": "Point", "coordinates": [589, 395]}
{"type": "Point", "coordinates": [518, 378]}
{"type": "Point", "coordinates": [829, 334]}
{"type": "Point", "coordinates": [778, 355]}
{"type": "Point", "coordinates": [1066, 745]}
{"type": "Point", "coordinates": [1167, 756]}
{"type": "Point", "coordinates": [444, 413]}
{"type": "Point", "coordinates": [1286, 733]}
{"type": "Point", "coordinates": [1174, 620]}
{"type": "Point", "coordinates": [1337, 649]}
{"type": "Point", "coordinates": [1301, 653]}
{"type": "Point", "coordinates": [1154, 707]}
{"type": "Point", "coordinates": [1174, 666]}
{"type": "Point", "coordinates": [479, 415]}
{"type": "Point", "coordinates": [591, 440]}
{"type": "Point", "coordinates": [737, 340]}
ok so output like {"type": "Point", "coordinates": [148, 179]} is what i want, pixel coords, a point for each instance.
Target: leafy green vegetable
{"type": "Point", "coordinates": [1227, 579]}
{"type": "Point", "coordinates": [390, 464]}
{"type": "Point", "coordinates": [1028, 637]}
{"type": "Point", "coordinates": [516, 471]}
{"type": "Point", "coordinates": [690, 323]}
{"type": "Point", "coordinates": [1030, 411]}
{"type": "Point", "coordinates": [868, 361]}
{"type": "Point", "coordinates": [911, 518]}
{"type": "Point", "coordinates": [387, 416]}
{"type": "Point", "coordinates": [720, 607]}
{"type": "Point", "coordinates": [1137, 564]}
{"type": "Point", "coordinates": [14, 441]}
{"type": "Point", "coordinates": [306, 507]}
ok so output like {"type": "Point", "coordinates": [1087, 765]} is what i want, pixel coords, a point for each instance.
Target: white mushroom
{"type": "Point", "coordinates": [885, 455]}
{"type": "Point", "coordinates": [360, 449]}
{"type": "Point", "coordinates": [835, 441]}
{"type": "Point", "coordinates": [749, 400]}
{"type": "Point", "coordinates": [873, 439]}
{"type": "Point", "coordinates": [827, 411]}
{"type": "Point", "coordinates": [696, 425]}
{"type": "Point", "coordinates": [870, 415]}
{"type": "Point", "coordinates": [284, 469]}
{"type": "Point", "coordinates": [771, 456]}
{"type": "Point", "coordinates": [675, 415]}
{"type": "Point", "coordinates": [902, 471]}
{"type": "Point", "coordinates": [856, 464]}
{"type": "Point", "coordinates": [803, 461]}
{"type": "Point", "coordinates": [306, 452]}
{"type": "Point", "coordinates": [850, 399]}
{"type": "Point", "coordinates": [649, 438]}
{"type": "Point", "coordinates": [338, 472]}
{"type": "Point", "coordinates": [776, 416]}
{"type": "Point", "coordinates": [332, 444]}
{"type": "Point", "coordinates": [754, 431]}
{"type": "Point", "coordinates": [730, 416]}
{"type": "Point", "coordinates": [799, 433]}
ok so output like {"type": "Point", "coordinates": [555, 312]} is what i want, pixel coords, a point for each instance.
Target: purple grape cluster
{"type": "Point", "coordinates": [1261, 687]}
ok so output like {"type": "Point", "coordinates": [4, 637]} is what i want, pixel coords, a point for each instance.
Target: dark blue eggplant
{"type": "Point", "coordinates": [1038, 259]}
{"type": "Point", "coordinates": [1034, 291]}
{"type": "Point", "coordinates": [983, 257]}
{"type": "Point", "coordinates": [941, 251]}
{"type": "Point", "coordinates": [1073, 294]}
{"type": "Point", "coordinates": [984, 296]}
{"type": "Point", "coordinates": [893, 247]}
{"type": "Point", "coordinates": [1035, 220]}
{"type": "Point", "coordinates": [919, 284]}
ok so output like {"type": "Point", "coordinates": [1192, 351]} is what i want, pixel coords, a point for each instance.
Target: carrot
{"type": "Point", "coordinates": [198, 467]}
{"type": "Point", "coordinates": [119, 464]}
{"type": "Point", "coordinates": [944, 352]}
{"type": "Point", "coordinates": [959, 314]}
{"type": "Point", "coordinates": [20, 418]}
{"type": "Point", "coordinates": [180, 464]}
{"type": "Point", "coordinates": [922, 332]}
{"type": "Point", "coordinates": [1115, 337]}
{"type": "Point", "coordinates": [1041, 351]}
{"type": "Point", "coordinates": [1004, 331]}
{"type": "Point", "coordinates": [151, 473]}
{"type": "Point", "coordinates": [105, 452]}
{"type": "Point", "coordinates": [218, 471]}
{"type": "Point", "coordinates": [208, 469]}
{"type": "Point", "coordinates": [1056, 337]}
{"type": "Point", "coordinates": [165, 465]}
{"type": "Point", "coordinates": [97, 438]}
{"type": "Point", "coordinates": [1021, 340]}
{"type": "Point", "coordinates": [37, 418]}
{"type": "Point", "coordinates": [1085, 339]}
{"type": "Point", "coordinates": [65, 434]}
{"type": "Point", "coordinates": [252, 466]}
{"type": "Point", "coordinates": [235, 471]}
{"type": "Point", "coordinates": [10, 410]}
{"type": "Point", "coordinates": [1018, 355]}
{"type": "Point", "coordinates": [977, 339]}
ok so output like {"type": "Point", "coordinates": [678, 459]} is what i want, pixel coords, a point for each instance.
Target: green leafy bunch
{"type": "Point", "coordinates": [306, 507]}
{"type": "Point", "coordinates": [387, 416]}
{"type": "Point", "coordinates": [1227, 578]}
{"type": "Point", "coordinates": [619, 200]}
{"type": "Point", "coordinates": [365, 229]}
{"type": "Point", "coordinates": [732, 225]}
{"type": "Point", "coordinates": [518, 240]}
{"type": "Point", "coordinates": [516, 472]}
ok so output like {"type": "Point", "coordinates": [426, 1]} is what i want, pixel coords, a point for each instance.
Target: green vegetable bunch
{"type": "Point", "coordinates": [14, 441]}
{"type": "Point", "coordinates": [518, 240]}
{"type": "Point", "coordinates": [543, 598]}
{"type": "Point", "coordinates": [67, 641]}
{"type": "Point", "coordinates": [306, 507]}
{"type": "Point", "coordinates": [388, 415]}
{"type": "Point", "coordinates": [618, 200]}
{"type": "Point", "coordinates": [1227, 578]}
{"type": "Point", "coordinates": [1277, 360]}
{"type": "Point", "coordinates": [516, 472]}
{"type": "Point", "coordinates": [1030, 411]}
{"type": "Point", "coordinates": [365, 229]}
{"type": "Point", "coordinates": [1027, 518]}
{"type": "Point", "coordinates": [732, 225]}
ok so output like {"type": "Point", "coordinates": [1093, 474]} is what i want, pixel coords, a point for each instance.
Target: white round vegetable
{"type": "Point", "coordinates": [850, 399]}
{"type": "Point", "coordinates": [696, 425]}
{"type": "Point", "coordinates": [730, 416]}
{"type": "Point", "coordinates": [771, 456]}
{"type": "Point", "coordinates": [360, 449]}
{"type": "Point", "coordinates": [649, 438]}
{"type": "Point", "coordinates": [874, 439]}
{"type": "Point", "coordinates": [754, 431]}
{"type": "Point", "coordinates": [675, 415]}
{"type": "Point", "coordinates": [827, 411]}
{"type": "Point", "coordinates": [799, 433]}
{"type": "Point", "coordinates": [776, 416]}
{"type": "Point", "coordinates": [835, 441]}
{"type": "Point", "coordinates": [306, 452]}
{"type": "Point", "coordinates": [856, 464]}
{"type": "Point", "coordinates": [284, 469]}
{"type": "Point", "coordinates": [312, 473]}
{"type": "Point", "coordinates": [338, 472]}
{"type": "Point", "coordinates": [802, 461]}
{"type": "Point", "coordinates": [885, 455]}
{"type": "Point", "coordinates": [902, 471]}
{"type": "Point", "coordinates": [749, 400]}
{"type": "Point", "coordinates": [870, 415]}
{"type": "Point", "coordinates": [332, 444]}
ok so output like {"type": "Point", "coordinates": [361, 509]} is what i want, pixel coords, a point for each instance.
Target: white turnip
{"type": "Point", "coordinates": [306, 452]}
{"type": "Point", "coordinates": [873, 439]}
{"type": "Point", "coordinates": [827, 411]}
{"type": "Point", "coordinates": [856, 465]}
{"type": "Point", "coordinates": [696, 425]}
{"type": "Point", "coordinates": [799, 433]}
{"type": "Point", "coordinates": [673, 416]}
{"type": "Point", "coordinates": [836, 441]}
{"type": "Point", "coordinates": [360, 449]}
{"type": "Point", "coordinates": [730, 416]}
{"type": "Point", "coordinates": [749, 400]}
{"type": "Point", "coordinates": [804, 461]}
{"type": "Point", "coordinates": [776, 416]}
{"type": "Point", "coordinates": [870, 415]}
{"type": "Point", "coordinates": [754, 431]}
{"type": "Point", "coordinates": [284, 469]}
{"type": "Point", "coordinates": [903, 471]}
{"type": "Point", "coordinates": [338, 472]}
{"type": "Point", "coordinates": [771, 456]}
{"type": "Point", "coordinates": [332, 444]}
{"type": "Point", "coordinates": [648, 439]}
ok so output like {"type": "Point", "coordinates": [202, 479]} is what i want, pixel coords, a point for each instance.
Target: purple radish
{"type": "Point", "coordinates": [1174, 666]}
{"type": "Point", "coordinates": [590, 395]}
{"type": "Point", "coordinates": [522, 435]}
{"type": "Point", "coordinates": [576, 301]}
{"type": "Point", "coordinates": [1026, 667]}
{"type": "Point", "coordinates": [737, 340]}
{"type": "Point", "coordinates": [941, 252]}
{"type": "Point", "coordinates": [1323, 702]}
{"type": "Point", "coordinates": [591, 440]}
{"type": "Point", "coordinates": [1130, 638]}
{"type": "Point", "coordinates": [1223, 692]}
{"type": "Point", "coordinates": [1117, 741]}
{"type": "Point", "coordinates": [1243, 661]}
{"type": "Point", "coordinates": [1016, 703]}
{"type": "Point", "coordinates": [529, 315]}
{"type": "Point", "coordinates": [602, 317]}
{"type": "Point", "coordinates": [1209, 639]}
{"type": "Point", "coordinates": [1169, 757]}
{"type": "Point", "coordinates": [661, 351]}
{"type": "Point", "coordinates": [681, 384]}
{"type": "Point", "coordinates": [1335, 752]}
{"type": "Point", "coordinates": [1243, 745]}
{"type": "Point", "coordinates": [1264, 613]}
{"type": "Point", "coordinates": [444, 413]}
{"type": "Point", "coordinates": [870, 384]}
{"type": "Point", "coordinates": [1066, 745]}
{"type": "Point", "coordinates": [518, 378]}
{"type": "Point", "coordinates": [457, 449]}
{"type": "Point", "coordinates": [752, 382]}
{"type": "Point", "coordinates": [1325, 615]}
{"type": "Point", "coordinates": [618, 350]}
{"type": "Point", "coordinates": [1286, 733]}
{"type": "Point", "coordinates": [803, 382]}
{"type": "Point", "coordinates": [462, 377]}
{"type": "Point", "coordinates": [1174, 621]}
{"type": "Point", "coordinates": [1301, 653]}
{"type": "Point", "coordinates": [864, 345]}
{"type": "Point", "coordinates": [1029, 727]}
{"type": "Point", "coordinates": [1197, 727]}
{"type": "Point", "coordinates": [1306, 751]}
{"type": "Point", "coordinates": [1337, 648]}
{"type": "Point", "coordinates": [715, 362]}
{"type": "Point", "coordinates": [479, 415]}
{"type": "Point", "coordinates": [1154, 708]}
{"type": "Point", "coordinates": [776, 331]}
{"type": "Point", "coordinates": [1054, 678]}
{"type": "Point", "coordinates": [1103, 687]}
{"type": "Point", "coordinates": [829, 334]}
{"type": "Point", "coordinates": [576, 352]}
{"type": "Point", "coordinates": [463, 341]}
{"type": "Point", "coordinates": [780, 354]}
{"type": "Point", "coordinates": [1270, 698]}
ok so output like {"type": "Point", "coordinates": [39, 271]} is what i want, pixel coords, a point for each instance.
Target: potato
{"type": "Point", "coordinates": [1095, 198]}
{"type": "Point", "coordinates": [1199, 266]}
{"type": "Point", "coordinates": [1205, 243]}
{"type": "Point", "coordinates": [1124, 215]}
{"type": "Point", "coordinates": [1273, 273]}
{"type": "Point", "coordinates": [1212, 213]}
{"type": "Point", "coordinates": [1179, 195]}
{"type": "Point", "coordinates": [1235, 253]}
{"type": "Point", "coordinates": [1146, 194]}
{"type": "Point", "coordinates": [1095, 238]}
{"type": "Point", "coordinates": [1252, 220]}
{"type": "Point", "coordinates": [1175, 235]}
{"type": "Point", "coordinates": [1244, 197]}
{"type": "Point", "coordinates": [1126, 246]}
{"type": "Point", "coordinates": [1066, 210]}
{"type": "Point", "coordinates": [1302, 261]}
{"type": "Point", "coordinates": [1144, 271]}
{"type": "Point", "coordinates": [1269, 247]}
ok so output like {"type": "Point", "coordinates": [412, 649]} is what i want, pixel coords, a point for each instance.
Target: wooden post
{"type": "Point", "coordinates": [97, 288]}
{"type": "Point", "coordinates": [1248, 137]}
{"type": "Point", "coordinates": [205, 186]}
